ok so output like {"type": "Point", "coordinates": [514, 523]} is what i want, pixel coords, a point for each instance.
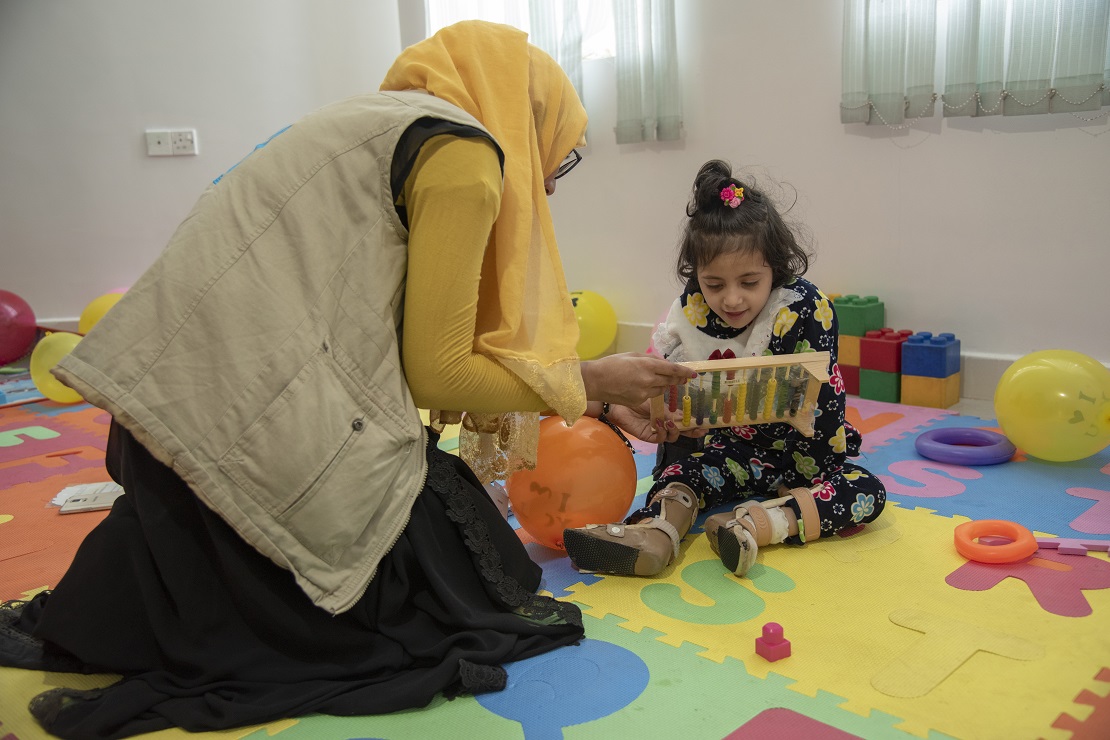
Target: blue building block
{"type": "Point", "coordinates": [931, 357]}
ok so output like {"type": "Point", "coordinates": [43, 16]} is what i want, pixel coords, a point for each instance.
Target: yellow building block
{"type": "Point", "coordinates": [848, 350]}
{"type": "Point", "coordinates": [937, 393]}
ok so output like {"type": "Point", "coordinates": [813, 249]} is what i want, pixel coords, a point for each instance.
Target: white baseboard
{"type": "Point", "coordinates": [979, 373]}
{"type": "Point", "coordinates": [633, 337]}
{"type": "Point", "coordinates": [70, 324]}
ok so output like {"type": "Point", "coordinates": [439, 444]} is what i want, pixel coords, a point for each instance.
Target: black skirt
{"type": "Point", "coordinates": [209, 634]}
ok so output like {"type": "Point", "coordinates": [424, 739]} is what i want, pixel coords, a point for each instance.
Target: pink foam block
{"type": "Point", "coordinates": [772, 645]}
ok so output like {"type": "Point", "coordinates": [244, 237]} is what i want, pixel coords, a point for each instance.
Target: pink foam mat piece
{"type": "Point", "coordinates": [883, 422]}
{"type": "Point", "coordinates": [1072, 545]}
{"type": "Point", "coordinates": [785, 724]}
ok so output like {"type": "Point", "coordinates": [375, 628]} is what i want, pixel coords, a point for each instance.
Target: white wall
{"type": "Point", "coordinates": [83, 210]}
{"type": "Point", "coordinates": [994, 229]}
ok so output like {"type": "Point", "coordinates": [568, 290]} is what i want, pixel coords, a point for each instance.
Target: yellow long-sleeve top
{"type": "Point", "coordinates": [453, 196]}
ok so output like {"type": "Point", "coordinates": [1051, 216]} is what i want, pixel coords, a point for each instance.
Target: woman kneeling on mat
{"type": "Point", "coordinates": [291, 539]}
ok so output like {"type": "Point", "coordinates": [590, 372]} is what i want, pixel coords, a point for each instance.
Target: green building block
{"type": "Point", "coordinates": [880, 386]}
{"type": "Point", "coordinates": [857, 315]}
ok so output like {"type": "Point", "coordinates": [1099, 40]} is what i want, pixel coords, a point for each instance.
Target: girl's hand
{"type": "Point", "coordinates": [631, 378]}
{"type": "Point", "coordinates": [637, 422]}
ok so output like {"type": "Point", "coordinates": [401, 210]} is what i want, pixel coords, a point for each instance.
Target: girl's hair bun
{"type": "Point", "coordinates": [714, 176]}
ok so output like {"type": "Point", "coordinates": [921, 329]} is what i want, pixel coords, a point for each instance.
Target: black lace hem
{"type": "Point", "coordinates": [445, 482]}
{"type": "Point", "coordinates": [18, 649]}
{"type": "Point", "coordinates": [481, 679]}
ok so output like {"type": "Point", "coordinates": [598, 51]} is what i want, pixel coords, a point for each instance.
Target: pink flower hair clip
{"type": "Point", "coordinates": [732, 196]}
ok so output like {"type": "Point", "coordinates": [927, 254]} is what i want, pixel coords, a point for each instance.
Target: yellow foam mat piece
{"type": "Point", "coordinates": [871, 619]}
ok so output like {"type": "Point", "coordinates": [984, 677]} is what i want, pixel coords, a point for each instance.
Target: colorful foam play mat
{"type": "Point", "coordinates": [893, 633]}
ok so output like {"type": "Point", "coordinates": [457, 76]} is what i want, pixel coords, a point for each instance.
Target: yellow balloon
{"type": "Point", "coordinates": [47, 353]}
{"type": "Point", "coordinates": [95, 311]}
{"type": "Point", "coordinates": [597, 323]}
{"type": "Point", "coordinates": [1055, 405]}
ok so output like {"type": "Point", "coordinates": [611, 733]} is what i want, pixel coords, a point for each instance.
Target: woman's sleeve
{"type": "Point", "coordinates": [452, 197]}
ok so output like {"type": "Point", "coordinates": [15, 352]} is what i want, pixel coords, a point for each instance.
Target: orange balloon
{"type": "Point", "coordinates": [584, 474]}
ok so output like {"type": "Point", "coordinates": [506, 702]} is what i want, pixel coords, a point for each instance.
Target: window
{"type": "Point", "coordinates": [996, 57]}
{"type": "Point", "coordinates": [639, 34]}
{"type": "Point", "coordinates": [593, 20]}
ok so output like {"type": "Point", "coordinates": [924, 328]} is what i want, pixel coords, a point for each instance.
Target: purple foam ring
{"type": "Point", "coordinates": [964, 446]}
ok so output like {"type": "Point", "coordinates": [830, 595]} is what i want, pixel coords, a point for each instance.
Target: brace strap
{"type": "Point", "coordinates": [666, 527]}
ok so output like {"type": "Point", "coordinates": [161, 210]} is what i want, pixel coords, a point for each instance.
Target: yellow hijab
{"type": "Point", "coordinates": [525, 317]}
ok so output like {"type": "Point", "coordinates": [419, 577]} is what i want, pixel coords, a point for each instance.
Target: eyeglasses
{"type": "Point", "coordinates": [568, 164]}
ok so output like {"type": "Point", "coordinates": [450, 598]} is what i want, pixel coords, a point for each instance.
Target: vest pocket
{"type": "Point", "coordinates": [310, 440]}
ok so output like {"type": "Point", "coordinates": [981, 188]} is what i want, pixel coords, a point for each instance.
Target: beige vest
{"type": "Point", "coordinates": [259, 355]}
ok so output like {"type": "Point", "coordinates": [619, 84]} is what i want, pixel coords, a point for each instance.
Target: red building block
{"type": "Point", "coordinates": [882, 349]}
{"type": "Point", "coordinates": [772, 646]}
{"type": "Point", "coordinates": [850, 374]}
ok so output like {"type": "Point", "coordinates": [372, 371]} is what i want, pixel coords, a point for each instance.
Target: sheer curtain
{"type": "Point", "coordinates": [640, 34]}
{"type": "Point", "coordinates": [649, 105]}
{"type": "Point", "coordinates": [1009, 57]}
{"type": "Point", "coordinates": [553, 25]}
{"type": "Point", "coordinates": [888, 60]}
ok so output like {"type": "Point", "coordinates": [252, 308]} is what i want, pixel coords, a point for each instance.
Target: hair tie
{"type": "Point", "coordinates": [732, 196]}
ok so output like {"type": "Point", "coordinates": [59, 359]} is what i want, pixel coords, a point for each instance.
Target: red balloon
{"type": "Point", "coordinates": [17, 327]}
{"type": "Point", "coordinates": [584, 474]}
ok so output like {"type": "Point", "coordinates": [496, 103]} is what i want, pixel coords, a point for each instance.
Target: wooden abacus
{"type": "Point", "coordinates": [746, 391]}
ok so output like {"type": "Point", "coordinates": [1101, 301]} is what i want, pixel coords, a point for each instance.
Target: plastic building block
{"type": "Point", "coordinates": [931, 356]}
{"type": "Point", "coordinates": [847, 350]}
{"type": "Point", "coordinates": [881, 349]}
{"type": "Point", "coordinates": [857, 316]}
{"type": "Point", "coordinates": [935, 393]}
{"type": "Point", "coordinates": [850, 375]}
{"type": "Point", "coordinates": [879, 386]}
{"type": "Point", "coordinates": [772, 646]}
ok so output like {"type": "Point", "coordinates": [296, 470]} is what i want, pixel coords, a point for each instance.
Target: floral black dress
{"type": "Point", "coordinates": [735, 463]}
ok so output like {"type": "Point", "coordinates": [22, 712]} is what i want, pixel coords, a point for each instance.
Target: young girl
{"type": "Point", "coordinates": [744, 295]}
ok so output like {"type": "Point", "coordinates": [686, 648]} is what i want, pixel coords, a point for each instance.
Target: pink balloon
{"type": "Point", "coordinates": [17, 327]}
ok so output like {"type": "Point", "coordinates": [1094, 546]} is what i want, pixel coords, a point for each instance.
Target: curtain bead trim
{"type": "Point", "coordinates": [1002, 96]}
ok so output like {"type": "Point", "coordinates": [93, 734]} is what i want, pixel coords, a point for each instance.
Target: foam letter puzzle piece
{"type": "Point", "coordinates": [1096, 520]}
{"type": "Point", "coordinates": [1057, 581]}
{"type": "Point", "coordinates": [780, 723]}
{"type": "Point", "coordinates": [849, 548]}
{"type": "Point", "coordinates": [11, 437]}
{"type": "Point", "coordinates": [947, 644]}
{"type": "Point", "coordinates": [40, 467]}
{"type": "Point", "coordinates": [927, 473]}
{"type": "Point", "coordinates": [1072, 546]}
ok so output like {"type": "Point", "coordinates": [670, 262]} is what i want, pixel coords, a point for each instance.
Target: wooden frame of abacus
{"type": "Point", "coordinates": [746, 391]}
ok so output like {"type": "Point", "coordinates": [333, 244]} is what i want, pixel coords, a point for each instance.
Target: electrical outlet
{"type": "Point", "coordinates": [183, 141]}
{"type": "Point", "coordinates": [158, 144]}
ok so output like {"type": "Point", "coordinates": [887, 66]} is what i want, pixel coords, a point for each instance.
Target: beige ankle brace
{"type": "Point", "coordinates": [768, 526]}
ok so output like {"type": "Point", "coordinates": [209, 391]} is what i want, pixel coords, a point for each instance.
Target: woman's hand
{"type": "Point", "coordinates": [631, 378]}
{"type": "Point", "coordinates": [637, 422]}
